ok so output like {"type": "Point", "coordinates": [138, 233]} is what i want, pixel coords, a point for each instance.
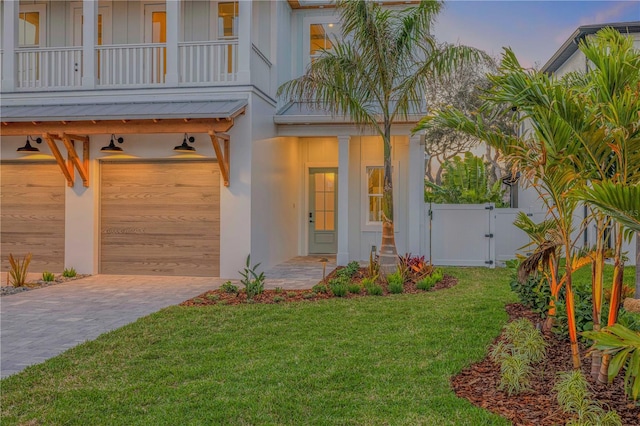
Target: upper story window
{"type": "Point", "coordinates": [31, 31]}
{"type": "Point", "coordinates": [321, 37]}
{"type": "Point", "coordinates": [227, 19]}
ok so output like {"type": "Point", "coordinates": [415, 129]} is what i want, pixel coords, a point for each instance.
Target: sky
{"type": "Point", "coordinates": [534, 29]}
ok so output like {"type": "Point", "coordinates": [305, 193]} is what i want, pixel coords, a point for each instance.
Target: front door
{"type": "Point", "coordinates": [323, 207]}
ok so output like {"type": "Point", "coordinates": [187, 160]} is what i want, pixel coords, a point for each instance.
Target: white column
{"type": "Point", "coordinates": [245, 12]}
{"type": "Point", "coordinates": [415, 196]}
{"type": "Point", "coordinates": [9, 43]}
{"type": "Point", "coordinates": [89, 43]}
{"type": "Point", "coordinates": [343, 200]}
{"type": "Point", "coordinates": [173, 29]}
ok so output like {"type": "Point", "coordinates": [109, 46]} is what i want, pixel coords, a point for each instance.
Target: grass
{"type": "Point", "coordinates": [364, 361]}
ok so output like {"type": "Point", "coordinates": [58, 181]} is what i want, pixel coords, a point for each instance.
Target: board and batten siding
{"type": "Point", "coordinates": [160, 218]}
{"type": "Point", "coordinates": [32, 214]}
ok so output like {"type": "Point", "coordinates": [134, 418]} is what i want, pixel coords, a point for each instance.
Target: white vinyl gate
{"type": "Point", "coordinates": [474, 234]}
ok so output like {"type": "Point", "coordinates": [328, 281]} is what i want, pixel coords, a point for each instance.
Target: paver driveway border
{"type": "Point", "coordinates": [40, 324]}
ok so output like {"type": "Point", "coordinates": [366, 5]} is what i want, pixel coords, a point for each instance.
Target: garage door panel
{"type": "Point", "coordinates": [32, 208]}
{"type": "Point", "coordinates": [160, 218]}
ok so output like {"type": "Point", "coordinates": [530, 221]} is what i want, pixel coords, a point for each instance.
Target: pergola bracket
{"type": "Point", "coordinates": [223, 158]}
{"type": "Point", "coordinates": [73, 160]}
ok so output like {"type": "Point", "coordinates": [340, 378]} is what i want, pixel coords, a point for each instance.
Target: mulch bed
{"type": "Point", "coordinates": [479, 384]}
{"type": "Point", "coordinates": [219, 297]}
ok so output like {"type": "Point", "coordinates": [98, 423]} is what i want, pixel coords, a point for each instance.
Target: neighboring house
{"type": "Point", "coordinates": [272, 180]}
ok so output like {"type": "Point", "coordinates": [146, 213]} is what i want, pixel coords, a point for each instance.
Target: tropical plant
{"type": "Point", "coordinates": [395, 283]}
{"type": "Point", "coordinates": [413, 267]}
{"type": "Point", "coordinates": [376, 75]}
{"type": "Point", "coordinates": [320, 288]}
{"type": "Point", "coordinates": [48, 277]}
{"type": "Point", "coordinates": [583, 133]}
{"type": "Point", "coordinates": [371, 287]}
{"type": "Point", "coordinates": [574, 397]}
{"type": "Point", "coordinates": [354, 288]}
{"type": "Point", "coordinates": [229, 287]}
{"type": "Point", "coordinates": [18, 271]}
{"type": "Point", "coordinates": [348, 271]}
{"type": "Point", "coordinates": [465, 181]}
{"type": "Point", "coordinates": [252, 281]}
{"type": "Point", "coordinates": [623, 345]}
{"type": "Point", "coordinates": [69, 273]}
{"type": "Point", "coordinates": [339, 286]}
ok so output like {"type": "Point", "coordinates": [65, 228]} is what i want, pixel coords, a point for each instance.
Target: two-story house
{"type": "Point", "coordinates": [145, 137]}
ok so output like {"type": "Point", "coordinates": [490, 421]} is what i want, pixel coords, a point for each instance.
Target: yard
{"type": "Point", "coordinates": [369, 360]}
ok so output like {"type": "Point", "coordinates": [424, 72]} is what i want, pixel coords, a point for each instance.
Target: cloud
{"type": "Point", "coordinates": [617, 12]}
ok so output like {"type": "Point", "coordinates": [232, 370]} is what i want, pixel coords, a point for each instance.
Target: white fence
{"type": "Point", "coordinates": [479, 234]}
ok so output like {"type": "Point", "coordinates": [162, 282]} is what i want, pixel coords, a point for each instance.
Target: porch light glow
{"type": "Point", "coordinates": [27, 146]}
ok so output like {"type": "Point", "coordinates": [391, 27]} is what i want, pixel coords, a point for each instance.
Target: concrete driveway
{"type": "Point", "coordinates": [39, 324]}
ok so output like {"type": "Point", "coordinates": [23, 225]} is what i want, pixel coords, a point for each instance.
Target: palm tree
{"type": "Point", "coordinates": [584, 143]}
{"type": "Point", "coordinates": [377, 75]}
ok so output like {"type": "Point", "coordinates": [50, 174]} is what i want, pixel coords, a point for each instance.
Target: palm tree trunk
{"type": "Point", "coordinates": [616, 298]}
{"type": "Point", "coordinates": [597, 271]}
{"type": "Point", "coordinates": [637, 295]}
{"type": "Point", "coordinates": [388, 252]}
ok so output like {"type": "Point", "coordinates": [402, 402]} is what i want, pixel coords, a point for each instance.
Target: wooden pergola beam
{"type": "Point", "coordinates": [67, 169]}
{"type": "Point", "coordinates": [101, 127]}
{"type": "Point", "coordinates": [223, 159]}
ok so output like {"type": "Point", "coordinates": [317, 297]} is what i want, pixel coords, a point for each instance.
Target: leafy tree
{"type": "Point", "coordinates": [376, 75]}
{"type": "Point", "coordinates": [465, 181]}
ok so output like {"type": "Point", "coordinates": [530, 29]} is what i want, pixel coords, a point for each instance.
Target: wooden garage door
{"type": "Point", "coordinates": [160, 218]}
{"type": "Point", "coordinates": [32, 214]}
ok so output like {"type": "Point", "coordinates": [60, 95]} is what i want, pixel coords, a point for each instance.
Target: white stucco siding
{"type": "Point", "coordinates": [275, 200]}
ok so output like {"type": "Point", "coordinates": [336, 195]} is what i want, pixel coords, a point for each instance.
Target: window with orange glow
{"type": "Point", "coordinates": [375, 185]}
{"type": "Point", "coordinates": [325, 215]}
{"type": "Point", "coordinates": [29, 29]}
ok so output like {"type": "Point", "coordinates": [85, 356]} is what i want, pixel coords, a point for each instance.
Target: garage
{"type": "Point", "coordinates": [160, 217]}
{"type": "Point", "coordinates": [32, 214]}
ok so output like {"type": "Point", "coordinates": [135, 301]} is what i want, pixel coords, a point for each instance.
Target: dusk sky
{"type": "Point", "coordinates": [534, 29]}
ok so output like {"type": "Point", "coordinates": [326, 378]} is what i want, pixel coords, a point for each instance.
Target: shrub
{"type": "Point", "coordinates": [396, 282]}
{"type": "Point", "coordinates": [278, 290]}
{"type": "Point", "coordinates": [308, 295]}
{"type": "Point", "coordinates": [338, 287]}
{"type": "Point", "coordinates": [348, 271]}
{"type": "Point", "coordinates": [213, 297]}
{"type": "Point", "coordinates": [413, 267]}
{"type": "Point", "coordinates": [371, 287]}
{"type": "Point", "coordinates": [278, 299]}
{"type": "Point", "coordinates": [18, 271]}
{"type": "Point", "coordinates": [228, 287]}
{"type": "Point", "coordinates": [69, 273]}
{"type": "Point", "coordinates": [354, 288]}
{"type": "Point", "coordinates": [373, 270]}
{"type": "Point", "coordinates": [523, 346]}
{"type": "Point", "coordinates": [252, 281]}
{"type": "Point", "coordinates": [427, 282]}
{"type": "Point", "coordinates": [534, 293]}
{"type": "Point", "coordinates": [515, 374]}
{"type": "Point", "coordinates": [48, 276]}
{"type": "Point", "coordinates": [320, 288]}
{"type": "Point", "coordinates": [574, 398]}
{"type": "Point", "coordinates": [291, 294]}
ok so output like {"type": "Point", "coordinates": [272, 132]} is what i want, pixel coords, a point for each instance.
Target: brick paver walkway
{"type": "Point", "coordinates": [39, 324]}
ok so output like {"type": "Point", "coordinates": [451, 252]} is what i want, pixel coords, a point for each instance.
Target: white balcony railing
{"type": "Point", "coordinates": [50, 68]}
{"type": "Point", "coordinates": [208, 62]}
{"type": "Point", "coordinates": [131, 64]}
{"type": "Point", "coordinates": [128, 65]}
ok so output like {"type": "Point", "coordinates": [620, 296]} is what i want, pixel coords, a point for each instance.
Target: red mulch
{"type": "Point", "coordinates": [219, 297]}
{"type": "Point", "coordinates": [479, 384]}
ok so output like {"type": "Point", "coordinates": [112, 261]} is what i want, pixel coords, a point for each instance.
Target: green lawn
{"type": "Point", "coordinates": [365, 361]}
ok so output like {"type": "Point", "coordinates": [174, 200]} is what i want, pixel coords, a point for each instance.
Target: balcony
{"type": "Point", "coordinates": [127, 65]}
